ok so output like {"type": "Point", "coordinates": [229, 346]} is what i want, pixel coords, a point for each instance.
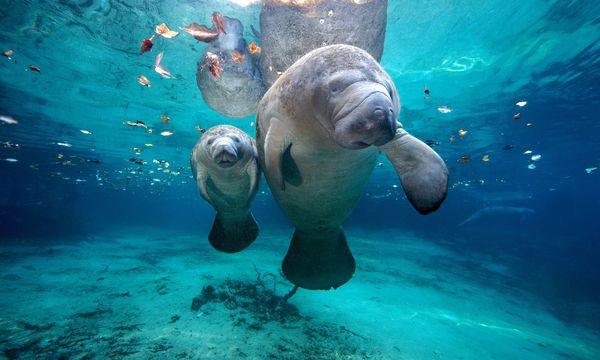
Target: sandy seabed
{"type": "Point", "coordinates": [167, 296]}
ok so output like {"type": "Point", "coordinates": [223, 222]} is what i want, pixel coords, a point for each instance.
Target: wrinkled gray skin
{"type": "Point", "coordinates": [225, 165]}
{"type": "Point", "coordinates": [240, 87]}
{"type": "Point", "coordinates": [320, 129]}
{"type": "Point", "coordinates": [289, 32]}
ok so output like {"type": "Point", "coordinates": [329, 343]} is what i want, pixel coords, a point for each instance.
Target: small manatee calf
{"type": "Point", "coordinates": [320, 129]}
{"type": "Point", "coordinates": [228, 76]}
{"type": "Point", "coordinates": [289, 30]}
{"type": "Point", "coordinates": [225, 165]}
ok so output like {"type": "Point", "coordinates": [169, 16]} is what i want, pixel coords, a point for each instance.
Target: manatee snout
{"type": "Point", "coordinates": [225, 152]}
{"type": "Point", "coordinates": [372, 122]}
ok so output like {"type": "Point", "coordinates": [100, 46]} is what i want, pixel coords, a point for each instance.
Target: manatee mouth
{"type": "Point", "coordinates": [225, 153]}
{"type": "Point", "coordinates": [361, 144]}
{"type": "Point", "coordinates": [226, 159]}
{"type": "Point", "coordinates": [372, 121]}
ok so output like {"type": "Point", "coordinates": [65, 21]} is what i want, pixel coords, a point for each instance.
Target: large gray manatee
{"type": "Point", "coordinates": [289, 31]}
{"type": "Point", "coordinates": [225, 165]}
{"type": "Point", "coordinates": [320, 129]}
{"type": "Point", "coordinates": [239, 88]}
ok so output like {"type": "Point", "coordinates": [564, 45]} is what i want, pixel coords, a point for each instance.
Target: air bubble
{"type": "Point", "coordinates": [330, 13]}
{"type": "Point", "coordinates": [321, 21]}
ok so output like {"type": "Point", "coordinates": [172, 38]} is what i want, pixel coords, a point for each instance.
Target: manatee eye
{"type": "Point", "coordinates": [236, 139]}
{"type": "Point", "coordinates": [210, 141]}
{"type": "Point", "coordinates": [335, 88]}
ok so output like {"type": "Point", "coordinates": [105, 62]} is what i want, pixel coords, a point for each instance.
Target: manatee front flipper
{"type": "Point", "coordinates": [233, 236]}
{"type": "Point", "coordinates": [319, 261]}
{"type": "Point", "coordinates": [422, 172]}
{"type": "Point", "coordinates": [253, 172]}
{"type": "Point", "coordinates": [276, 144]}
{"type": "Point", "coordinates": [201, 179]}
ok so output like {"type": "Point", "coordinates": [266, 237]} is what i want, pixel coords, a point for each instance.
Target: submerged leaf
{"type": "Point", "coordinates": [218, 21]}
{"type": "Point", "coordinates": [201, 32]}
{"type": "Point", "coordinates": [164, 30]}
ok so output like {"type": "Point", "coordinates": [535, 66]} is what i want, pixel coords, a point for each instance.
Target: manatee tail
{"type": "Point", "coordinates": [319, 261]}
{"type": "Point", "coordinates": [233, 236]}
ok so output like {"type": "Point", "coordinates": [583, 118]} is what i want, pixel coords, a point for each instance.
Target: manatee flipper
{"type": "Point", "coordinates": [422, 172]}
{"type": "Point", "coordinates": [276, 143]}
{"type": "Point", "coordinates": [233, 236]}
{"type": "Point", "coordinates": [252, 171]}
{"type": "Point", "coordinates": [319, 261]}
{"type": "Point", "coordinates": [201, 180]}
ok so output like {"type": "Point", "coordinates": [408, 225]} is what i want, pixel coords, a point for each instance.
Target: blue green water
{"type": "Point", "coordinates": [477, 58]}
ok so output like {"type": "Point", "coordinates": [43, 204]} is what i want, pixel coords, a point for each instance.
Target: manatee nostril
{"type": "Point", "coordinates": [379, 114]}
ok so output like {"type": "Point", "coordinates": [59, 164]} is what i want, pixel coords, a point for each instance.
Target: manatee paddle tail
{"type": "Point", "coordinates": [233, 235]}
{"type": "Point", "coordinates": [319, 260]}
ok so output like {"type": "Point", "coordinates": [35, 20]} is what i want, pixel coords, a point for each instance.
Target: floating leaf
{"type": "Point", "coordinates": [147, 44]}
{"type": "Point", "coordinates": [144, 81]}
{"type": "Point", "coordinates": [201, 32]}
{"type": "Point", "coordinates": [218, 21]}
{"type": "Point", "coordinates": [164, 30]}
{"type": "Point", "coordinates": [444, 109]}
{"type": "Point", "coordinates": [237, 57]}
{"type": "Point", "coordinates": [8, 120]}
{"type": "Point", "coordinates": [254, 49]}
{"type": "Point", "coordinates": [161, 70]}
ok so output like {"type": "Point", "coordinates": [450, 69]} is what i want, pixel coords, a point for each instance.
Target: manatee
{"type": "Point", "coordinates": [225, 165]}
{"type": "Point", "coordinates": [495, 211]}
{"type": "Point", "coordinates": [238, 89]}
{"type": "Point", "coordinates": [288, 31]}
{"type": "Point", "coordinates": [320, 129]}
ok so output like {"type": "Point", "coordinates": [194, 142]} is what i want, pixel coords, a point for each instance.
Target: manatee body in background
{"type": "Point", "coordinates": [239, 88]}
{"type": "Point", "coordinates": [288, 32]}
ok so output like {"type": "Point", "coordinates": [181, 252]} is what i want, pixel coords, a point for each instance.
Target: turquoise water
{"type": "Point", "coordinates": [520, 283]}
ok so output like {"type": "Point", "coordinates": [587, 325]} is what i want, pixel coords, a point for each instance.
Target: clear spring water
{"type": "Point", "coordinates": [477, 58]}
